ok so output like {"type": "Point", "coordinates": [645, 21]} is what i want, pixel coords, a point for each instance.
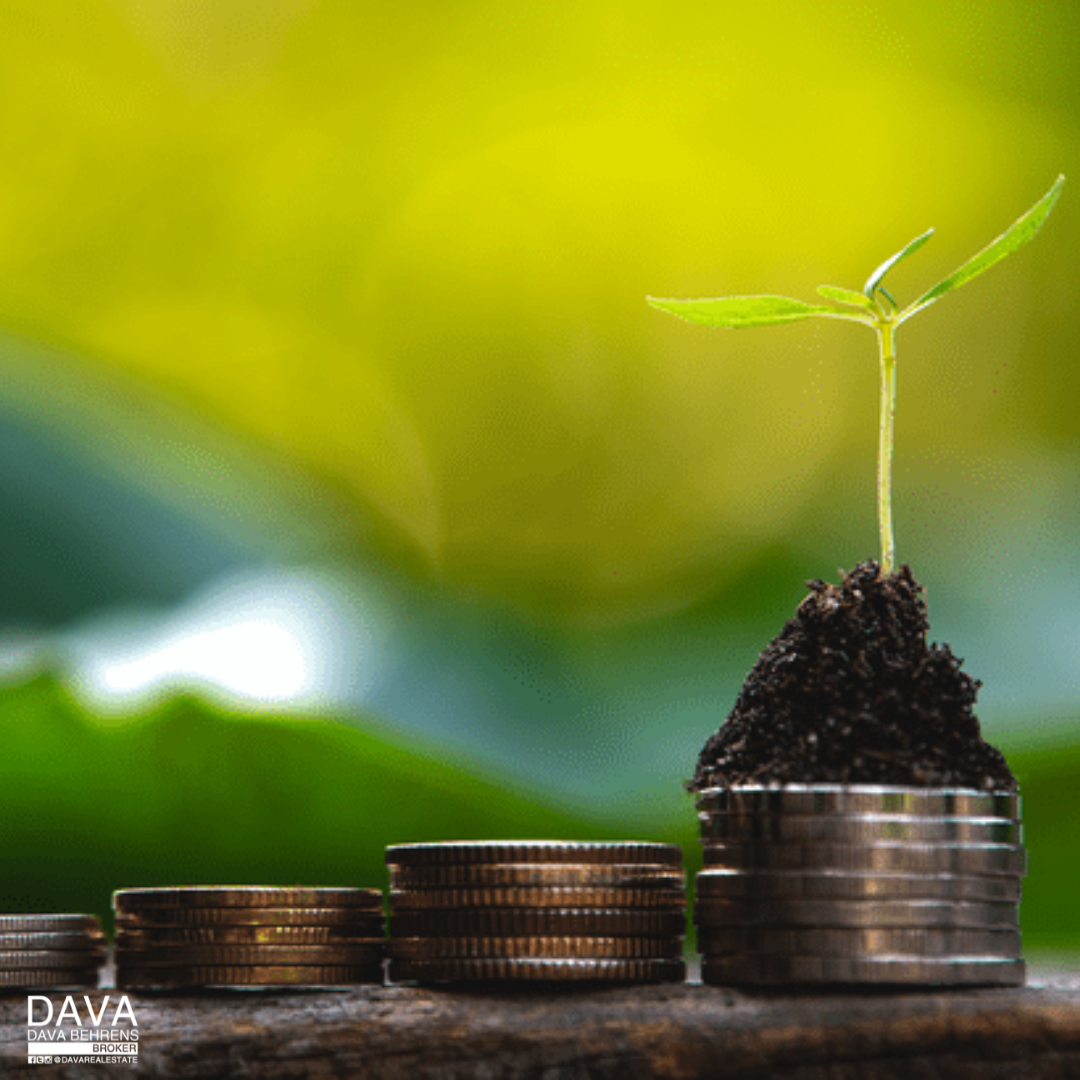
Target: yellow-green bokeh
{"type": "Point", "coordinates": [408, 247]}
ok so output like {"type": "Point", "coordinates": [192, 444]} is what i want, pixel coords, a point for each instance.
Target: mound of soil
{"type": "Point", "coordinates": [849, 692]}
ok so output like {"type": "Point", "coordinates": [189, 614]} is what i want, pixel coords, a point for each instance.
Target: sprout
{"type": "Point", "coordinates": [874, 307]}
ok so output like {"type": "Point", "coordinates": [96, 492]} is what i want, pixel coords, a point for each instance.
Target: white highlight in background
{"type": "Point", "coordinates": [307, 638]}
{"type": "Point", "coordinates": [257, 658]}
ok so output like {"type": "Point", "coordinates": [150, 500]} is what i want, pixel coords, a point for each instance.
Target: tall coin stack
{"type": "Point", "coordinates": [50, 950]}
{"type": "Point", "coordinates": [248, 936]}
{"type": "Point", "coordinates": [536, 911]}
{"type": "Point", "coordinates": [860, 884]}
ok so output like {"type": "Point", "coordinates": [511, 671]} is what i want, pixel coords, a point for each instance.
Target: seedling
{"type": "Point", "coordinates": [876, 308]}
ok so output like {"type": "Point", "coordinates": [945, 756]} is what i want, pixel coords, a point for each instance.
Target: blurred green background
{"type": "Point", "coordinates": [351, 494]}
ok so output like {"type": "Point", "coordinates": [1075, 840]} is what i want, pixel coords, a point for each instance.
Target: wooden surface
{"type": "Point", "coordinates": [684, 1031]}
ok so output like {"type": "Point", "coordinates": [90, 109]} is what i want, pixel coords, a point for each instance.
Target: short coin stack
{"type": "Point", "coordinates": [860, 884]}
{"type": "Point", "coordinates": [248, 936]}
{"type": "Point", "coordinates": [536, 911]}
{"type": "Point", "coordinates": [50, 950]}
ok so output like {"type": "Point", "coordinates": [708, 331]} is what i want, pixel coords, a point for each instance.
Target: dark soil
{"type": "Point", "coordinates": [849, 692]}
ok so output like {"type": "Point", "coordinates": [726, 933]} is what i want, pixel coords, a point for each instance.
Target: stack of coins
{"type": "Point", "coordinates": [50, 950]}
{"type": "Point", "coordinates": [537, 911]}
{"type": "Point", "coordinates": [860, 884]}
{"type": "Point", "coordinates": [248, 936]}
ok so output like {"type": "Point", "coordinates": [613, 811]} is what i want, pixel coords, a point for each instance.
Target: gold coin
{"type": "Point", "coordinates": [596, 948]}
{"type": "Point", "coordinates": [33, 978]}
{"type": "Point", "coordinates": [52, 940]}
{"type": "Point", "coordinates": [68, 959]}
{"type": "Point", "coordinates": [538, 970]}
{"type": "Point", "coordinates": [414, 899]}
{"type": "Point", "coordinates": [532, 851]}
{"type": "Point", "coordinates": [224, 916]}
{"type": "Point", "coordinates": [551, 922]}
{"type": "Point", "coordinates": [248, 935]}
{"type": "Point", "coordinates": [249, 955]}
{"type": "Point", "coordinates": [134, 978]}
{"type": "Point", "coordinates": [245, 896]}
{"type": "Point", "coordinates": [48, 923]}
{"type": "Point", "coordinates": [580, 875]}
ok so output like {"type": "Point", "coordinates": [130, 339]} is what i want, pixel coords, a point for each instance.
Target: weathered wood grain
{"type": "Point", "coordinates": [686, 1031]}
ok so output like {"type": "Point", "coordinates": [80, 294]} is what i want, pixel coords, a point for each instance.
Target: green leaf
{"type": "Point", "coordinates": [183, 763]}
{"type": "Point", "coordinates": [874, 280]}
{"type": "Point", "coordinates": [735, 312]}
{"type": "Point", "coordinates": [846, 296]}
{"type": "Point", "coordinates": [1023, 230]}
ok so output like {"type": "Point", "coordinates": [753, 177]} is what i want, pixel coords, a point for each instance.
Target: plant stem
{"type": "Point", "coordinates": [886, 339]}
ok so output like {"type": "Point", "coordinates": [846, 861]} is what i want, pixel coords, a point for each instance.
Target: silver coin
{"type": "Point", "coordinates": [852, 885]}
{"type": "Point", "coordinates": [990, 859]}
{"type": "Point", "coordinates": [49, 923]}
{"type": "Point", "coordinates": [855, 913]}
{"type": "Point", "coordinates": [861, 799]}
{"type": "Point", "coordinates": [858, 942]}
{"type": "Point", "coordinates": [859, 828]}
{"type": "Point", "coordinates": [899, 970]}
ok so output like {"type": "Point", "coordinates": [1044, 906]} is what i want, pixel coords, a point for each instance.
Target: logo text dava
{"type": "Point", "coordinates": [39, 1014]}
